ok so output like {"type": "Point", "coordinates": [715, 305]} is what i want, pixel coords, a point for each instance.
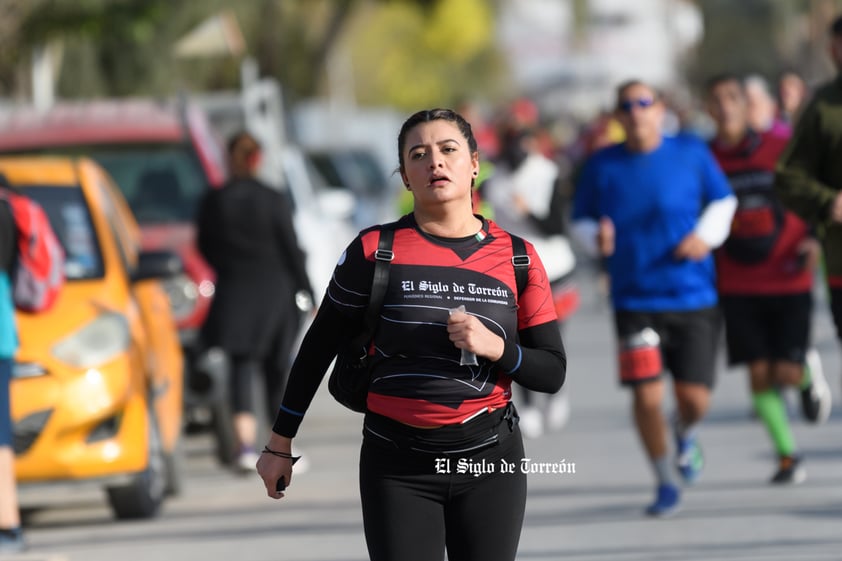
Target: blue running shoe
{"type": "Point", "coordinates": [689, 460]}
{"type": "Point", "coordinates": [11, 541]}
{"type": "Point", "coordinates": [666, 501]}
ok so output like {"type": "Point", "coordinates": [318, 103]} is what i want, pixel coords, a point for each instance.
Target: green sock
{"type": "Point", "coordinates": [771, 409]}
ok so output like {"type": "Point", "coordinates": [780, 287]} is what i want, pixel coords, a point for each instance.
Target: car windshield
{"type": "Point", "coordinates": [70, 218]}
{"type": "Point", "coordinates": [162, 183]}
{"type": "Point", "coordinates": [352, 169]}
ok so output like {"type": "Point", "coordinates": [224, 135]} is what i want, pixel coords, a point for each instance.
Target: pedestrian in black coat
{"type": "Point", "coordinates": [246, 234]}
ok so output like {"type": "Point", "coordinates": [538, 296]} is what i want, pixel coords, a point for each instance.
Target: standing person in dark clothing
{"type": "Point", "coordinates": [809, 172]}
{"type": "Point", "coordinates": [246, 233]}
{"type": "Point", "coordinates": [765, 278]}
{"type": "Point", "coordinates": [11, 537]}
{"type": "Point", "coordinates": [428, 411]}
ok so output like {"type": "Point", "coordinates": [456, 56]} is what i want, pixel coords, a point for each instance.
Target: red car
{"type": "Point", "coordinates": [162, 155]}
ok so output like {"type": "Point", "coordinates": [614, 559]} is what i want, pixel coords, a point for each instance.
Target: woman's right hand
{"type": "Point", "coordinates": [271, 467]}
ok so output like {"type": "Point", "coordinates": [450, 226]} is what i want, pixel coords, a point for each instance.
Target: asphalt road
{"type": "Point", "coordinates": [595, 514]}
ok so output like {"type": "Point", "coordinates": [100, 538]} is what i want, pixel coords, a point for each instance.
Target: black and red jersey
{"type": "Point", "coordinates": [417, 378]}
{"type": "Point", "coordinates": [750, 167]}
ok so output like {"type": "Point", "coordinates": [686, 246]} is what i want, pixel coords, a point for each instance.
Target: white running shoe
{"type": "Point", "coordinates": [816, 399]}
{"type": "Point", "coordinates": [531, 422]}
{"type": "Point", "coordinates": [558, 410]}
{"type": "Point", "coordinates": [247, 461]}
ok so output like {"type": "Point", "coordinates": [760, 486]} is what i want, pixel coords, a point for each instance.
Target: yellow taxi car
{"type": "Point", "coordinates": [98, 379]}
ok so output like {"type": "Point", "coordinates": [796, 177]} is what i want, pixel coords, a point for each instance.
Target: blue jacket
{"type": "Point", "coordinates": [8, 332]}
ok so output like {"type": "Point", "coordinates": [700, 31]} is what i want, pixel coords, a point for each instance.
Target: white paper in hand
{"type": "Point", "coordinates": [468, 358]}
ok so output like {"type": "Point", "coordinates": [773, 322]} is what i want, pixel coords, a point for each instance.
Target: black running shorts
{"type": "Point", "coordinates": [775, 328]}
{"type": "Point", "coordinates": [688, 341]}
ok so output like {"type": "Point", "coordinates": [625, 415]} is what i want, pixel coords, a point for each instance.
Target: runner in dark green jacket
{"type": "Point", "coordinates": [809, 172]}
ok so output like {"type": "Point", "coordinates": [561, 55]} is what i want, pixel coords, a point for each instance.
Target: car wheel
{"type": "Point", "coordinates": [143, 495]}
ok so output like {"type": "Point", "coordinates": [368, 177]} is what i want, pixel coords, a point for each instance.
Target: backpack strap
{"type": "Point", "coordinates": [380, 280]}
{"type": "Point", "coordinates": [520, 262]}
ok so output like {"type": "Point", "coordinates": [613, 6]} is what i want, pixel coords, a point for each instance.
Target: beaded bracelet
{"type": "Point", "coordinates": [267, 450]}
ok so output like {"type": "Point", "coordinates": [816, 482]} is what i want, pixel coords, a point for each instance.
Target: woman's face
{"type": "Point", "coordinates": [438, 163]}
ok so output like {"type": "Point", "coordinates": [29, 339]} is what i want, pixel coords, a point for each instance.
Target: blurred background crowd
{"type": "Point", "coordinates": [344, 72]}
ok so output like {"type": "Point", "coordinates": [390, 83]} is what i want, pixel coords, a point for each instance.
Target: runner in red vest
{"type": "Point", "coordinates": [765, 271]}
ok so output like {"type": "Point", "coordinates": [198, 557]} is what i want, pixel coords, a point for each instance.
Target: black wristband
{"type": "Point", "coordinates": [267, 450]}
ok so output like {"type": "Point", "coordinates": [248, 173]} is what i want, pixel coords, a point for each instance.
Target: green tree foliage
{"type": "Point", "coordinates": [112, 47]}
{"type": "Point", "coordinates": [12, 15]}
{"type": "Point", "coordinates": [414, 55]}
{"type": "Point", "coordinates": [292, 39]}
{"type": "Point", "coordinates": [759, 36]}
{"type": "Point", "coordinates": [124, 47]}
{"type": "Point", "coordinates": [738, 38]}
{"type": "Point", "coordinates": [403, 52]}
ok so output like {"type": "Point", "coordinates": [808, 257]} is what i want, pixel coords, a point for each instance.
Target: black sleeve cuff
{"type": "Point", "coordinates": [511, 359]}
{"type": "Point", "coordinates": [286, 423]}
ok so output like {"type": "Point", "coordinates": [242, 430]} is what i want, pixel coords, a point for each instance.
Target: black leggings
{"type": "Point", "coordinates": [253, 377]}
{"type": "Point", "coordinates": [252, 380]}
{"type": "Point", "coordinates": [413, 509]}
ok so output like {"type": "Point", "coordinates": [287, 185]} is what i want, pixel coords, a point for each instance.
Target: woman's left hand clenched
{"type": "Point", "coordinates": [467, 332]}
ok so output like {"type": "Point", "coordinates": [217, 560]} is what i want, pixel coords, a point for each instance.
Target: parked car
{"type": "Point", "coordinates": [323, 216]}
{"type": "Point", "coordinates": [97, 384]}
{"type": "Point", "coordinates": [356, 170]}
{"type": "Point", "coordinates": [163, 156]}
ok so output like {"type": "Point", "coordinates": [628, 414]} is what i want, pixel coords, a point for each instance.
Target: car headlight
{"type": "Point", "coordinates": [183, 294]}
{"type": "Point", "coordinates": [96, 343]}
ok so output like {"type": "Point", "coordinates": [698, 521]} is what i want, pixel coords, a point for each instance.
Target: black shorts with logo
{"type": "Point", "coordinates": [688, 342]}
{"type": "Point", "coordinates": [767, 327]}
